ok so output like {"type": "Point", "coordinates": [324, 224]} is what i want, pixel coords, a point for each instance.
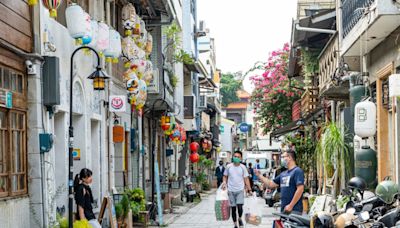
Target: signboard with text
{"type": "Point", "coordinates": [118, 103]}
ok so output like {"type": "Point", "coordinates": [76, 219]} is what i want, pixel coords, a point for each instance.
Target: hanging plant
{"type": "Point", "coordinates": [174, 81]}
{"type": "Point", "coordinates": [183, 57]}
{"type": "Point", "coordinates": [310, 65]}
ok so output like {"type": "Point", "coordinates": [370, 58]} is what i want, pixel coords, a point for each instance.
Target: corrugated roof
{"type": "Point", "coordinates": [237, 105]}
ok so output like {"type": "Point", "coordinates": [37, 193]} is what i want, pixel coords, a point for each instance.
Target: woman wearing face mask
{"type": "Point", "coordinates": [291, 182]}
{"type": "Point", "coordinates": [84, 197]}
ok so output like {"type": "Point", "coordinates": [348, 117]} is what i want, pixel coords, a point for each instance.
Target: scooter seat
{"type": "Point", "coordinates": [305, 219]}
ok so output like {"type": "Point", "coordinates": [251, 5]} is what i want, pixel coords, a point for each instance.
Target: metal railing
{"type": "Point", "coordinates": [352, 12]}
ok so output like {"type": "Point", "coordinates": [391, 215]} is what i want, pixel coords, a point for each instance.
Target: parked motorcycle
{"type": "Point", "coordinates": [188, 192]}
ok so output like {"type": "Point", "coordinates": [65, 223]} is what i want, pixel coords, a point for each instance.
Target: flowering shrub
{"type": "Point", "coordinates": [273, 96]}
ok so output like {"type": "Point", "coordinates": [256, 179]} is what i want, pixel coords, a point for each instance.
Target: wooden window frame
{"type": "Point", "coordinates": [8, 152]}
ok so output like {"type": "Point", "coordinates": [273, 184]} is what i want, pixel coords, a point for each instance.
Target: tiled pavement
{"type": "Point", "coordinates": [202, 216]}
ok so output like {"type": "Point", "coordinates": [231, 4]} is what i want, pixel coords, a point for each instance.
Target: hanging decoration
{"type": "Point", "coordinates": [194, 157]}
{"type": "Point", "coordinates": [136, 28]}
{"type": "Point", "coordinates": [52, 6]}
{"type": "Point", "coordinates": [75, 18]}
{"type": "Point", "coordinates": [132, 82]}
{"type": "Point", "coordinates": [128, 18]}
{"type": "Point", "coordinates": [95, 30]}
{"type": "Point", "coordinates": [113, 52]}
{"type": "Point", "coordinates": [32, 2]}
{"type": "Point", "coordinates": [141, 96]}
{"type": "Point", "coordinates": [194, 146]}
{"type": "Point", "coordinates": [103, 38]}
{"type": "Point", "coordinates": [165, 122]}
{"type": "Point", "coordinates": [148, 73]}
{"type": "Point", "coordinates": [149, 44]}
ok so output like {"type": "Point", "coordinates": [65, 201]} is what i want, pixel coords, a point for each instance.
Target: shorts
{"type": "Point", "coordinates": [236, 198]}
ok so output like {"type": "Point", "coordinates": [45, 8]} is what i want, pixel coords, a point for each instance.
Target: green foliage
{"type": "Point", "coordinates": [333, 151]}
{"type": "Point", "coordinates": [183, 57]}
{"type": "Point", "coordinates": [125, 205]}
{"type": "Point", "coordinates": [201, 177]}
{"type": "Point", "coordinates": [136, 199]}
{"type": "Point", "coordinates": [118, 211]}
{"type": "Point", "coordinates": [228, 88]}
{"type": "Point", "coordinates": [309, 61]}
{"type": "Point", "coordinates": [174, 80]}
{"type": "Point", "coordinates": [205, 186]}
{"type": "Point", "coordinates": [62, 221]}
{"type": "Point", "coordinates": [342, 200]}
{"type": "Point", "coordinates": [305, 151]}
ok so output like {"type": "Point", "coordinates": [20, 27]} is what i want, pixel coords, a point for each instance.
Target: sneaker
{"type": "Point", "coordinates": [240, 223]}
{"type": "Point", "coordinates": [235, 225]}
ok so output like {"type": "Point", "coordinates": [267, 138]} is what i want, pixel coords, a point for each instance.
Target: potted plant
{"type": "Point", "coordinates": [333, 156]}
{"type": "Point", "coordinates": [173, 180]}
{"type": "Point", "coordinates": [136, 201]}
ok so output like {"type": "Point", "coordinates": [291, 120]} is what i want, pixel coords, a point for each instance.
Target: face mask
{"type": "Point", "coordinates": [236, 160]}
{"type": "Point", "coordinates": [283, 163]}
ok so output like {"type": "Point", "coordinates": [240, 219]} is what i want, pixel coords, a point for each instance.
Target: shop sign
{"type": "Point", "coordinates": [76, 154]}
{"type": "Point", "coordinates": [244, 127]}
{"type": "Point", "coordinates": [5, 98]}
{"type": "Point", "coordinates": [118, 103]}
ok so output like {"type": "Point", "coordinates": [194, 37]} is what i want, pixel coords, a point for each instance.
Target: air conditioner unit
{"type": "Point", "coordinates": [189, 107]}
{"type": "Point", "coordinates": [203, 101]}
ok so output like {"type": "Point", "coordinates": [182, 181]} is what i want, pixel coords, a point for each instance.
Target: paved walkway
{"type": "Point", "coordinates": [202, 215]}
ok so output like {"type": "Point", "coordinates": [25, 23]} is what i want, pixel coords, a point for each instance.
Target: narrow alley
{"type": "Point", "coordinates": [202, 215]}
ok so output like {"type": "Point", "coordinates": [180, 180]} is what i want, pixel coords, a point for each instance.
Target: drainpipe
{"type": "Point", "coordinates": [317, 30]}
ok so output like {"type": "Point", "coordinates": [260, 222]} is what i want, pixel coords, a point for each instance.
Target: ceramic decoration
{"type": "Point", "coordinates": [52, 6]}
{"type": "Point", "coordinates": [131, 51]}
{"type": "Point", "coordinates": [103, 37]}
{"type": "Point", "coordinates": [141, 97]}
{"type": "Point", "coordinates": [87, 38]}
{"type": "Point", "coordinates": [113, 52]}
{"type": "Point", "coordinates": [128, 18]}
{"type": "Point", "coordinates": [140, 66]}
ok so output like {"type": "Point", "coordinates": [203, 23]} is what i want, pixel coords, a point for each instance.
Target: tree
{"type": "Point", "coordinates": [229, 86]}
{"type": "Point", "coordinates": [274, 93]}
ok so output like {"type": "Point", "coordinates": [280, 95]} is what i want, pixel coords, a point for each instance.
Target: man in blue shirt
{"type": "Point", "coordinates": [291, 182]}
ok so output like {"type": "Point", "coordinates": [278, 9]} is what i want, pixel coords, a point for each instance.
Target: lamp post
{"type": "Point", "coordinates": [99, 78]}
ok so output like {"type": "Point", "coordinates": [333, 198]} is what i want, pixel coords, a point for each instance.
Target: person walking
{"type": "Point", "coordinates": [84, 197]}
{"type": "Point", "coordinates": [219, 172]}
{"type": "Point", "coordinates": [251, 175]}
{"type": "Point", "coordinates": [236, 178]}
{"type": "Point", "coordinates": [291, 183]}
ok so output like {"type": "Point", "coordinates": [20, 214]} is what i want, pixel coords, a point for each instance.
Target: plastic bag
{"type": "Point", "coordinates": [253, 212]}
{"type": "Point", "coordinates": [222, 209]}
{"type": "Point", "coordinates": [82, 224]}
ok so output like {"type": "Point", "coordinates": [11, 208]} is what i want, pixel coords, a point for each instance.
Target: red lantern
{"type": "Point", "coordinates": [194, 157]}
{"type": "Point", "coordinates": [194, 146]}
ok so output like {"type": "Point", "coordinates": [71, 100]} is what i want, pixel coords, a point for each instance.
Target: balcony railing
{"type": "Point", "coordinates": [352, 12]}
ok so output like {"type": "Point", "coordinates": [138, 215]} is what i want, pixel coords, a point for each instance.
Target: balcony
{"type": "Point", "coordinates": [365, 23]}
{"type": "Point", "coordinates": [309, 101]}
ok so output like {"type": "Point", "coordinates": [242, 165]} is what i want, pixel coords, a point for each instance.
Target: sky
{"type": "Point", "coordinates": [246, 31]}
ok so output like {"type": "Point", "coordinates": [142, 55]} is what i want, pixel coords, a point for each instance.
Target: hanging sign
{"type": "Point", "coordinates": [6, 99]}
{"type": "Point", "coordinates": [117, 103]}
{"type": "Point", "coordinates": [76, 154]}
{"type": "Point", "coordinates": [244, 127]}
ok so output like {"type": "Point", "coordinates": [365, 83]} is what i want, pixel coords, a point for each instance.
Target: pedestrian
{"type": "Point", "coordinates": [236, 178]}
{"type": "Point", "coordinates": [219, 172]}
{"type": "Point", "coordinates": [251, 175]}
{"type": "Point", "coordinates": [291, 183]}
{"type": "Point", "coordinates": [84, 197]}
{"type": "Point", "coordinates": [258, 166]}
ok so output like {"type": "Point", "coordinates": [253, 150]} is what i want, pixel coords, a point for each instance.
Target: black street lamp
{"type": "Point", "coordinates": [99, 78]}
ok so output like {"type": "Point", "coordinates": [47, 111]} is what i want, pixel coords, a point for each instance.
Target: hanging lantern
{"type": "Point", "coordinates": [140, 66]}
{"type": "Point", "coordinates": [87, 38]}
{"type": "Point", "coordinates": [194, 146]}
{"type": "Point", "coordinates": [52, 6]}
{"type": "Point", "coordinates": [114, 49]}
{"type": "Point", "coordinates": [194, 157]}
{"type": "Point", "coordinates": [103, 37]}
{"type": "Point", "coordinates": [132, 84]}
{"type": "Point", "coordinates": [141, 97]}
{"type": "Point", "coordinates": [131, 51]}
{"type": "Point", "coordinates": [148, 73]}
{"type": "Point", "coordinates": [75, 18]}
{"type": "Point", "coordinates": [95, 29]}
{"type": "Point", "coordinates": [365, 119]}
{"type": "Point", "coordinates": [128, 18]}
{"type": "Point", "coordinates": [165, 122]}
{"type": "Point", "coordinates": [32, 2]}
{"type": "Point", "coordinates": [149, 44]}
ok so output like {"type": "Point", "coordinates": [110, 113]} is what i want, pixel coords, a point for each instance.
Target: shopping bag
{"type": "Point", "coordinates": [222, 209]}
{"type": "Point", "coordinates": [82, 224]}
{"type": "Point", "coordinates": [253, 212]}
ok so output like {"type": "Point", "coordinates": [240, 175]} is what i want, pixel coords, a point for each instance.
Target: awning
{"type": "Point", "coordinates": [314, 40]}
{"type": "Point", "coordinates": [197, 67]}
{"type": "Point", "coordinates": [292, 126]}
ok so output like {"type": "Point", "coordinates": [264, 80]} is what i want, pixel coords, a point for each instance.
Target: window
{"type": "Point", "coordinates": [12, 153]}
{"type": "Point", "coordinates": [13, 179]}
